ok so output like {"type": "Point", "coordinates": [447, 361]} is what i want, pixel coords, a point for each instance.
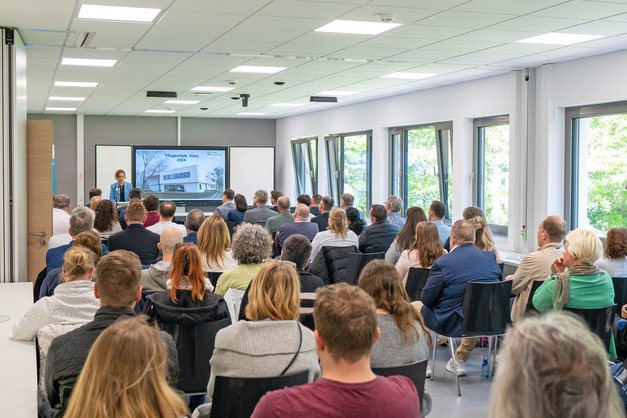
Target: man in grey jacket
{"type": "Point", "coordinates": [261, 213]}
{"type": "Point", "coordinates": [227, 203]}
{"type": "Point", "coordinates": [156, 276]}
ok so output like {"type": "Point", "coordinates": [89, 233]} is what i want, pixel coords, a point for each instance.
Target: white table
{"type": "Point", "coordinates": [18, 363]}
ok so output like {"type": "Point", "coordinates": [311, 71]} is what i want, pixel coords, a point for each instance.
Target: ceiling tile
{"type": "Point", "coordinates": [466, 19]}
{"type": "Point", "coordinates": [579, 9]}
{"type": "Point", "coordinates": [538, 24]}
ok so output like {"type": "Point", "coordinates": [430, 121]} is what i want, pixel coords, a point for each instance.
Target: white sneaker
{"type": "Point", "coordinates": [461, 367]}
{"type": "Point", "coordinates": [429, 372]}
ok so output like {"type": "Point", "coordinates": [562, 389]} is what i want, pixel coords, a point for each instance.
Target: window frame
{"type": "Point", "coordinates": [313, 172]}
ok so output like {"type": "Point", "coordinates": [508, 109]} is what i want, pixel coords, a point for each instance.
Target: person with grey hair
{"type": "Point", "coordinates": [274, 223]}
{"type": "Point", "coordinates": [81, 219]}
{"type": "Point", "coordinates": [193, 220]}
{"type": "Point", "coordinates": [393, 206]}
{"type": "Point", "coordinates": [60, 214]}
{"type": "Point", "coordinates": [261, 213]}
{"type": "Point", "coordinates": [443, 293]}
{"type": "Point", "coordinates": [156, 276]}
{"type": "Point", "coordinates": [251, 246]}
{"type": "Point", "coordinates": [301, 225]}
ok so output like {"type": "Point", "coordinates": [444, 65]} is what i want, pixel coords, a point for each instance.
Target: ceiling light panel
{"type": "Point", "coordinates": [357, 27]}
{"type": "Point", "coordinates": [252, 113]}
{"type": "Point", "coordinates": [88, 62]}
{"type": "Point", "coordinates": [159, 111]}
{"type": "Point", "coordinates": [128, 14]}
{"type": "Point", "coordinates": [258, 69]}
{"type": "Point", "coordinates": [409, 76]}
{"type": "Point", "coordinates": [88, 84]}
{"type": "Point", "coordinates": [558, 38]}
{"type": "Point", "coordinates": [67, 99]}
{"type": "Point", "coordinates": [61, 109]}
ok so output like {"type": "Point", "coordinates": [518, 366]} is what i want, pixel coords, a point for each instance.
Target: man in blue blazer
{"type": "Point", "coordinates": [443, 293]}
{"type": "Point", "coordinates": [119, 191]}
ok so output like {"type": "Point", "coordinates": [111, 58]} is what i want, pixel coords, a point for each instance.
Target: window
{"type": "Point", "coordinates": [184, 175]}
{"type": "Point", "coordinates": [349, 158]}
{"type": "Point", "coordinates": [305, 157]}
{"type": "Point", "coordinates": [421, 165]}
{"type": "Point", "coordinates": [492, 171]}
{"type": "Point", "coordinates": [596, 167]}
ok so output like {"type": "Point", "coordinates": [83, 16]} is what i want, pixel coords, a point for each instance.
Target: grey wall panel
{"type": "Point", "coordinates": [226, 132]}
{"type": "Point", "coordinates": [64, 140]}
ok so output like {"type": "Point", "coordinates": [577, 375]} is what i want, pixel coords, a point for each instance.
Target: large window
{"type": "Point", "coordinates": [596, 170]}
{"type": "Point", "coordinates": [421, 165]}
{"type": "Point", "coordinates": [492, 171]}
{"type": "Point", "coordinates": [305, 157]}
{"type": "Point", "coordinates": [349, 158]}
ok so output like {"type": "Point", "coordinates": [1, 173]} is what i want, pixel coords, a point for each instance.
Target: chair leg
{"type": "Point", "coordinates": [489, 356]}
{"type": "Point", "coordinates": [434, 345]}
{"type": "Point", "coordinates": [451, 344]}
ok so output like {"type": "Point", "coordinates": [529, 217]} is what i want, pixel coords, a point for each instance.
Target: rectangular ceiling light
{"type": "Point", "coordinates": [61, 109]}
{"type": "Point", "coordinates": [409, 76]}
{"type": "Point", "coordinates": [288, 104]}
{"type": "Point", "coordinates": [257, 69]}
{"type": "Point", "coordinates": [75, 84]}
{"type": "Point", "coordinates": [67, 99]}
{"type": "Point", "coordinates": [88, 62]}
{"type": "Point", "coordinates": [183, 102]}
{"type": "Point", "coordinates": [357, 27]}
{"type": "Point", "coordinates": [210, 89]}
{"type": "Point", "coordinates": [159, 111]}
{"type": "Point", "coordinates": [252, 113]}
{"type": "Point", "coordinates": [558, 38]}
{"type": "Point", "coordinates": [337, 93]}
{"type": "Point", "coordinates": [129, 14]}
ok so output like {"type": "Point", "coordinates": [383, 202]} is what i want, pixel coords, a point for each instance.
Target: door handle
{"type": "Point", "coordinates": [38, 234]}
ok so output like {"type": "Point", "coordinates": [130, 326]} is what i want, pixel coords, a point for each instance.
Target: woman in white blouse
{"type": "Point", "coordinates": [427, 248]}
{"type": "Point", "coordinates": [338, 234]}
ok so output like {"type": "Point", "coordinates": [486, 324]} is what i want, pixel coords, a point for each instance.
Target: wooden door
{"type": "Point", "coordinates": [39, 166]}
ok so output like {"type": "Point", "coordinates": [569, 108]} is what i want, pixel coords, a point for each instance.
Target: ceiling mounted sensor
{"type": "Point", "coordinates": [245, 98]}
{"type": "Point", "coordinates": [323, 99]}
{"type": "Point", "coordinates": [155, 93]}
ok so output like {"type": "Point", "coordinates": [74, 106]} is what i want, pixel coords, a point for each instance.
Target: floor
{"type": "Point", "coordinates": [475, 392]}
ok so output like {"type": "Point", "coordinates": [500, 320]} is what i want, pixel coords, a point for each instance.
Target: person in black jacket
{"type": "Point", "coordinates": [379, 236]}
{"type": "Point", "coordinates": [135, 237]}
{"type": "Point", "coordinates": [323, 219]}
{"type": "Point", "coordinates": [117, 287]}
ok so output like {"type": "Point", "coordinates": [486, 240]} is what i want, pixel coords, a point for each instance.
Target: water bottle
{"type": "Point", "coordinates": [484, 366]}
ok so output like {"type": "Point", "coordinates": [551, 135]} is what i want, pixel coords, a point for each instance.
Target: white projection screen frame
{"type": "Point", "coordinates": [110, 158]}
{"type": "Point", "coordinates": [251, 169]}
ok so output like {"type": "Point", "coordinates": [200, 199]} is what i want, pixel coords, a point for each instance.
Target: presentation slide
{"type": "Point", "coordinates": [181, 173]}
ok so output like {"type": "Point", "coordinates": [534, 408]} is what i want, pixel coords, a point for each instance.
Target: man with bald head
{"type": "Point", "coordinates": [301, 225]}
{"type": "Point", "coordinates": [156, 276]}
{"type": "Point", "coordinates": [443, 293]}
{"type": "Point", "coordinates": [274, 223]}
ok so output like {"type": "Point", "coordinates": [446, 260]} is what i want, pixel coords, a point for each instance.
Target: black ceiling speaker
{"type": "Point", "coordinates": [323, 99]}
{"type": "Point", "coordinates": [155, 93]}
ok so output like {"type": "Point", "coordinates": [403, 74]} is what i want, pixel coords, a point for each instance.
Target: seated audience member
{"type": "Point", "coordinates": [443, 293]}
{"type": "Point", "coordinates": [483, 236]}
{"type": "Point", "coordinates": [274, 199]}
{"type": "Point", "coordinates": [261, 213]}
{"type": "Point", "coordinates": [193, 220]}
{"type": "Point", "coordinates": [81, 220]}
{"type": "Point", "coordinates": [88, 239]}
{"type": "Point", "coordinates": [338, 234]}
{"type": "Point", "coordinates": [393, 206]}
{"type": "Point", "coordinates": [404, 338]}
{"type": "Point", "coordinates": [227, 204]}
{"type": "Point", "coordinates": [468, 213]}
{"type": "Point", "coordinates": [157, 275]}
{"type": "Point", "coordinates": [553, 367]}
{"type": "Point", "coordinates": [106, 220]}
{"type": "Point", "coordinates": [94, 202]}
{"type": "Point", "coordinates": [314, 207]}
{"type": "Point", "coordinates": [60, 214]}
{"type": "Point", "coordinates": [73, 301]}
{"type": "Point", "coordinates": [537, 265]}
{"type": "Point", "coordinates": [407, 236]}
{"type": "Point", "coordinates": [135, 237]}
{"type": "Point", "coordinates": [355, 223]}
{"type": "Point", "coordinates": [167, 210]}
{"type": "Point", "coordinates": [325, 209]}
{"type": "Point", "coordinates": [151, 203]}
{"type": "Point", "coordinates": [347, 201]}
{"type": "Point", "coordinates": [427, 248]}
{"type": "Point", "coordinates": [250, 349]}
{"type": "Point", "coordinates": [117, 287]}
{"type": "Point", "coordinates": [251, 245]}
{"type": "Point", "coordinates": [305, 199]}
{"type": "Point", "coordinates": [301, 225]}
{"type": "Point", "coordinates": [134, 195]}
{"type": "Point", "coordinates": [65, 237]}
{"type": "Point", "coordinates": [92, 193]}
{"type": "Point", "coordinates": [214, 243]}
{"type": "Point", "coordinates": [379, 236]}
{"type": "Point", "coordinates": [437, 211]}
{"type": "Point", "coordinates": [241, 206]}
{"type": "Point", "coordinates": [284, 217]}
{"type": "Point", "coordinates": [614, 260]}
{"type": "Point", "coordinates": [346, 330]}
{"type": "Point", "coordinates": [125, 375]}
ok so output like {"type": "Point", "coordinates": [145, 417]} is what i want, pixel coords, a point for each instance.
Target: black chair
{"type": "Point", "coordinates": [231, 226]}
{"type": "Point", "coordinates": [416, 280]}
{"type": "Point", "coordinates": [336, 260]}
{"type": "Point", "coordinates": [620, 291]}
{"type": "Point", "coordinates": [414, 371]}
{"type": "Point", "coordinates": [599, 321]}
{"type": "Point", "coordinates": [236, 397]}
{"type": "Point", "coordinates": [486, 312]}
{"type": "Point", "coordinates": [39, 281]}
{"type": "Point", "coordinates": [357, 262]}
{"type": "Point", "coordinates": [530, 308]}
{"type": "Point", "coordinates": [213, 277]}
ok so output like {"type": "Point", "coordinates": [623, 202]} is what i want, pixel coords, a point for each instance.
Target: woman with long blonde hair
{"type": "Point", "coordinates": [483, 236]}
{"type": "Point", "coordinates": [214, 243]}
{"type": "Point", "coordinates": [426, 249]}
{"type": "Point", "coordinates": [338, 234]}
{"type": "Point", "coordinates": [125, 376]}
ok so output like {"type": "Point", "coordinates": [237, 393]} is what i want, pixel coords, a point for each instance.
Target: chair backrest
{"type": "Point", "coordinates": [236, 397]}
{"type": "Point", "coordinates": [39, 281]}
{"type": "Point", "coordinates": [415, 372]}
{"type": "Point", "coordinates": [45, 336]}
{"type": "Point", "coordinates": [233, 299]}
{"type": "Point", "coordinates": [599, 321]}
{"type": "Point", "coordinates": [336, 259]}
{"type": "Point", "coordinates": [416, 280]}
{"type": "Point", "coordinates": [534, 286]}
{"type": "Point", "coordinates": [231, 227]}
{"type": "Point", "coordinates": [213, 277]}
{"type": "Point", "coordinates": [486, 308]}
{"type": "Point", "coordinates": [620, 290]}
{"type": "Point", "coordinates": [357, 262]}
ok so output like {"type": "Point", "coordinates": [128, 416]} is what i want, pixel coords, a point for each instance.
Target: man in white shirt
{"type": "Point", "coordinates": [60, 214]}
{"type": "Point", "coordinates": [167, 210]}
